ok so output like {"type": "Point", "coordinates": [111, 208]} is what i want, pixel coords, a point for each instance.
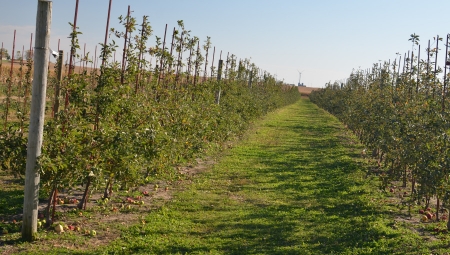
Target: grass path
{"type": "Point", "coordinates": [295, 184]}
{"type": "Point", "coordinates": [292, 186]}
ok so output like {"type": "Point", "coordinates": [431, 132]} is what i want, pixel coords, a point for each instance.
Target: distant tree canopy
{"type": "Point", "coordinates": [28, 54]}
{"type": "Point", "coordinates": [4, 53]}
{"type": "Point", "coordinates": [18, 55]}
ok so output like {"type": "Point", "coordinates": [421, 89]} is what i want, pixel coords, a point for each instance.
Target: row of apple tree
{"type": "Point", "coordinates": [401, 114]}
{"type": "Point", "coordinates": [124, 125]}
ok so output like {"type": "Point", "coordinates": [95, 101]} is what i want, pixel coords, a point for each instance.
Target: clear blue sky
{"type": "Point", "coordinates": [325, 39]}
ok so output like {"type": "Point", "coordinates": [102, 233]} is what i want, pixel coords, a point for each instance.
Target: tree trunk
{"type": "Point", "coordinates": [49, 204]}
{"type": "Point", "coordinates": [108, 189]}
{"type": "Point", "coordinates": [437, 209]}
{"type": "Point", "coordinates": [404, 176]}
{"type": "Point", "coordinates": [55, 195]}
{"type": "Point", "coordinates": [83, 201]}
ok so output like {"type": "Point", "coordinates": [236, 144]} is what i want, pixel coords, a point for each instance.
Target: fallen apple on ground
{"type": "Point", "coordinates": [59, 229]}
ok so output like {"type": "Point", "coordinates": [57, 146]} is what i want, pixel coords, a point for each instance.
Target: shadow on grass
{"type": "Point", "coordinates": [311, 197]}
{"type": "Point", "coordinates": [337, 218]}
{"type": "Point", "coordinates": [303, 195]}
{"type": "Point", "coordinates": [11, 202]}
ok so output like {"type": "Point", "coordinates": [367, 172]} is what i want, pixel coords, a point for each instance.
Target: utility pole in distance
{"type": "Point", "coordinates": [35, 133]}
{"type": "Point", "coordinates": [299, 77]}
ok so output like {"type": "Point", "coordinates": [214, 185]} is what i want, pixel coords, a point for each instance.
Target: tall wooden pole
{"type": "Point", "coordinates": [1, 59]}
{"type": "Point", "coordinates": [219, 77]}
{"type": "Point", "coordinates": [444, 88]}
{"type": "Point", "coordinates": [428, 68]}
{"type": "Point", "coordinates": [28, 78]}
{"type": "Point", "coordinates": [106, 33]}
{"type": "Point", "coordinates": [212, 62]}
{"type": "Point", "coordinates": [180, 57]}
{"type": "Point", "coordinates": [59, 77]}
{"type": "Point", "coordinates": [8, 95]}
{"type": "Point", "coordinates": [72, 52]}
{"type": "Point", "coordinates": [169, 69]}
{"type": "Point", "coordinates": [226, 66]}
{"type": "Point", "coordinates": [206, 65]}
{"type": "Point", "coordinates": [84, 59]}
{"type": "Point", "coordinates": [124, 61]}
{"type": "Point", "coordinates": [196, 62]}
{"type": "Point", "coordinates": [141, 49]}
{"type": "Point", "coordinates": [418, 70]}
{"type": "Point", "coordinates": [35, 134]}
{"type": "Point", "coordinates": [161, 69]}
{"type": "Point", "coordinates": [435, 66]}
{"type": "Point", "coordinates": [72, 48]}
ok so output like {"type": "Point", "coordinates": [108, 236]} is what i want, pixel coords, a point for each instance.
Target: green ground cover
{"type": "Point", "coordinates": [294, 184]}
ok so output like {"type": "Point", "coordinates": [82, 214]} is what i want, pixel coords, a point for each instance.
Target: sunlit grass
{"type": "Point", "coordinates": [295, 184]}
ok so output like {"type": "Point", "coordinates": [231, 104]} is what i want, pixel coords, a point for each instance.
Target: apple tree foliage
{"type": "Point", "coordinates": [403, 120]}
{"type": "Point", "coordinates": [118, 129]}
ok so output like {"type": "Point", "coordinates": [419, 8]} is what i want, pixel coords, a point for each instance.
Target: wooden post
{"type": "Point", "coordinates": [226, 66]}
{"type": "Point", "coordinates": [196, 62]}
{"type": "Point", "coordinates": [21, 69]}
{"type": "Point", "coordinates": [212, 62]}
{"type": "Point", "coordinates": [32, 178]}
{"type": "Point", "coordinates": [239, 69]}
{"type": "Point", "coordinates": [1, 60]}
{"type": "Point", "coordinates": [250, 79]}
{"type": "Point", "coordinates": [219, 77]}
{"type": "Point", "coordinates": [169, 69]}
{"type": "Point", "coordinates": [138, 75]}
{"type": "Point", "coordinates": [394, 66]}
{"type": "Point", "coordinates": [418, 70]}
{"type": "Point", "coordinates": [28, 77]}
{"type": "Point", "coordinates": [72, 53]}
{"type": "Point", "coordinates": [84, 60]}
{"type": "Point", "coordinates": [190, 46]}
{"type": "Point", "coordinates": [428, 70]}
{"type": "Point", "coordinates": [435, 66]}
{"type": "Point", "coordinates": [161, 63]}
{"type": "Point", "coordinates": [404, 62]}
{"type": "Point", "coordinates": [180, 57]}
{"type": "Point", "coordinates": [444, 88]}
{"type": "Point", "coordinates": [219, 70]}
{"type": "Point", "coordinates": [8, 95]}
{"type": "Point", "coordinates": [206, 65]}
{"type": "Point", "coordinates": [94, 64]}
{"type": "Point", "coordinates": [125, 47]}
{"type": "Point", "coordinates": [72, 48]}
{"type": "Point", "coordinates": [106, 33]}
{"type": "Point", "coordinates": [58, 84]}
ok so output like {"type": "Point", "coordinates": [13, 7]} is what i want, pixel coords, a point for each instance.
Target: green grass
{"type": "Point", "coordinates": [295, 184]}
